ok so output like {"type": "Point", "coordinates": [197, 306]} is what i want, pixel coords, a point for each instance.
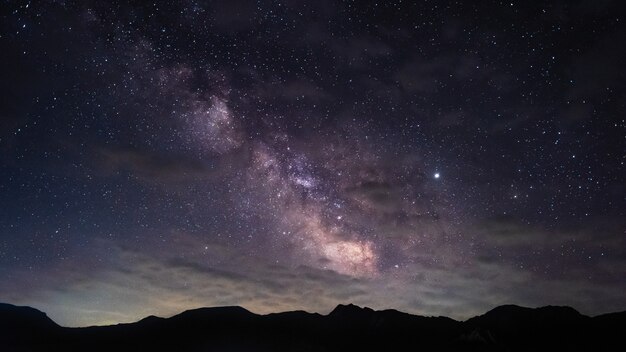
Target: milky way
{"type": "Point", "coordinates": [437, 158]}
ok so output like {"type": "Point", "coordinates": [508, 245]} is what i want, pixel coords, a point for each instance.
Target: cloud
{"type": "Point", "coordinates": [151, 165]}
{"type": "Point", "coordinates": [592, 253]}
{"type": "Point", "coordinates": [140, 280]}
{"type": "Point", "coordinates": [136, 281]}
{"type": "Point", "coordinates": [507, 231]}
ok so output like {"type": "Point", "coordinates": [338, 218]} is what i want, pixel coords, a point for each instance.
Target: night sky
{"type": "Point", "coordinates": [436, 157]}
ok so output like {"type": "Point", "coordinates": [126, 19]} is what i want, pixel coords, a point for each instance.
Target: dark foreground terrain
{"type": "Point", "coordinates": [347, 328]}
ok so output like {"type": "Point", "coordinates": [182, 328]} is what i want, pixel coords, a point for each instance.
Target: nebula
{"type": "Point", "coordinates": [436, 157]}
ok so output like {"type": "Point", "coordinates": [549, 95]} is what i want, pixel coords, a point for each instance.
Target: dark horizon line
{"type": "Point", "coordinates": [339, 307]}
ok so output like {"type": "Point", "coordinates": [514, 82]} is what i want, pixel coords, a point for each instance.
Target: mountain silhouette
{"type": "Point", "coordinates": [346, 328]}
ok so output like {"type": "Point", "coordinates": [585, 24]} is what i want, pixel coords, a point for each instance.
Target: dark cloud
{"type": "Point", "coordinates": [154, 166]}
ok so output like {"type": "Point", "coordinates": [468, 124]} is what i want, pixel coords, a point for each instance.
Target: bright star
{"type": "Point", "coordinates": [436, 175]}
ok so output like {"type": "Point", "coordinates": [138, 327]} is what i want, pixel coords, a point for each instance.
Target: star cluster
{"type": "Point", "coordinates": [437, 157]}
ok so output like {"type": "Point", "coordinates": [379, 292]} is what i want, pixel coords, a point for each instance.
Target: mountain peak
{"type": "Point", "coordinates": [228, 312]}
{"type": "Point", "coordinates": [511, 310]}
{"type": "Point", "coordinates": [515, 319]}
{"type": "Point", "coordinates": [350, 309]}
{"type": "Point", "coordinates": [11, 315]}
{"type": "Point", "coordinates": [150, 319]}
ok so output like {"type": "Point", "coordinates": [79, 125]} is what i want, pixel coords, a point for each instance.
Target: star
{"type": "Point", "coordinates": [320, 152]}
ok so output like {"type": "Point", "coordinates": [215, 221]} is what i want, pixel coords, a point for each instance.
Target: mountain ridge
{"type": "Point", "coordinates": [507, 327]}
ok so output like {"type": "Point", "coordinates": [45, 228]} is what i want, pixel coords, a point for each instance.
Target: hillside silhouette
{"type": "Point", "coordinates": [346, 328]}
